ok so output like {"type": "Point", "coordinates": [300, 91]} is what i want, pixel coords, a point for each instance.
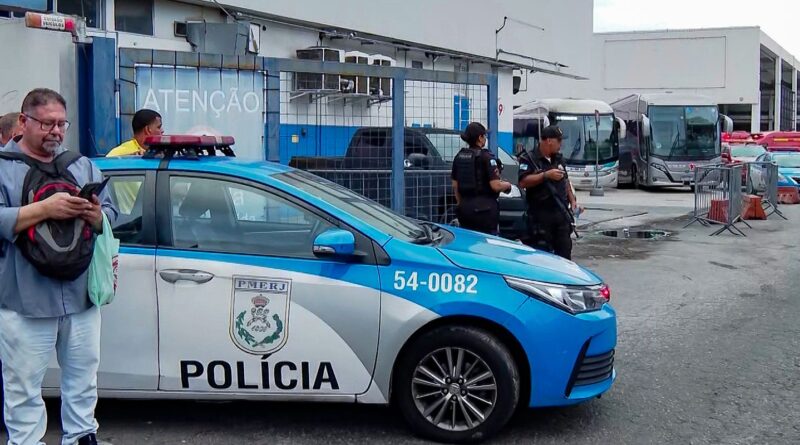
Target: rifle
{"type": "Point", "coordinates": [564, 209]}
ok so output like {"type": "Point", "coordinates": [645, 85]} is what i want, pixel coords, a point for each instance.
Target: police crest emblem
{"type": "Point", "coordinates": [260, 314]}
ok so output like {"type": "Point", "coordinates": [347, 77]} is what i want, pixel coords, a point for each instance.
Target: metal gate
{"type": "Point", "coordinates": [385, 132]}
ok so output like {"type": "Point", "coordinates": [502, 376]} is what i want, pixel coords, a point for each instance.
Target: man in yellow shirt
{"type": "Point", "coordinates": [145, 123]}
{"type": "Point", "coordinates": [124, 191]}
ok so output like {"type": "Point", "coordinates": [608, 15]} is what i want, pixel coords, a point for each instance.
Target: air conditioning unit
{"type": "Point", "coordinates": [355, 84]}
{"type": "Point", "coordinates": [381, 86]}
{"type": "Point", "coordinates": [318, 81]}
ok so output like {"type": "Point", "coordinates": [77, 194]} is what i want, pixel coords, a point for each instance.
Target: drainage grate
{"type": "Point", "coordinates": [635, 234]}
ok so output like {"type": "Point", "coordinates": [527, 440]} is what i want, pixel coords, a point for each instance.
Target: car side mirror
{"type": "Point", "coordinates": [417, 160]}
{"type": "Point", "coordinates": [645, 126]}
{"type": "Point", "coordinates": [334, 243]}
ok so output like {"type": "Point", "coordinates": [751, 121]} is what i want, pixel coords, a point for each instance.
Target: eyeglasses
{"type": "Point", "coordinates": [49, 126]}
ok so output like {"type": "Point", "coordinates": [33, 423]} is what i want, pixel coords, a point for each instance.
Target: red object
{"type": "Point", "coordinates": [191, 141]}
{"type": "Point", "coordinates": [780, 140]}
{"type": "Point", "coordinates": [719, 210]}
{"type": "Point", "coordinates": [50, 21]}
{"type": "Point", "coordinates": [605, 292]}
{"type": "Point", "coordinates": [752, 208]}
{"type": "Point", "coordinates": [788, 195]}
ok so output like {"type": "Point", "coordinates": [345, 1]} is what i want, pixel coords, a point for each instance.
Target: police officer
{"type": "Point", "coordinates": [477, 183]}
{"type": "Point", "coordinates": [543, 175]}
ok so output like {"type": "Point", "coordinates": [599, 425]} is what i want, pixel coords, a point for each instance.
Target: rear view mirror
{"type": "Point", "coordinates": [645, 126]}
{"type": "Point", "coordinates": [727, 124]}
{"type": "Point", "coordinates": [622, 129]}
{"type": "Point", "coordinates": [334, 242]}
{"type": "Point", "coordinates": [417, 160]}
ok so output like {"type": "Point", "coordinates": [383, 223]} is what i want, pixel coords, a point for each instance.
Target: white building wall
{"type": "Point", "coordinates": [55, 67]}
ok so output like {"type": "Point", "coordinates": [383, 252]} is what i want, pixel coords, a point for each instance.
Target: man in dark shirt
{"type": "Point", "coordinates": [544, 177]}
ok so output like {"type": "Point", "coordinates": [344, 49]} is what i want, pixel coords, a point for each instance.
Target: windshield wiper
{"type": "Point", "coordinates": [430, 233]}
{"type": "Point", "coordinates": [575, 148]}
{"type": "Point", "coordinates": [675, 142]}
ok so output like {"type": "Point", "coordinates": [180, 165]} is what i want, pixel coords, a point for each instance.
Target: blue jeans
{"type": "Point", "coordinates": [26, 347]}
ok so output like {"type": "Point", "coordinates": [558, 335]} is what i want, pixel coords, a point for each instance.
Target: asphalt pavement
{"type": "Point", "coordinates": [708, 352]}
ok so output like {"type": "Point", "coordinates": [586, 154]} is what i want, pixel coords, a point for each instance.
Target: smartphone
{"type": "Point", "coordinates": [93, 188]}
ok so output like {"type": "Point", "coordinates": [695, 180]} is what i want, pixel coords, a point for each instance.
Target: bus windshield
{"type": "Point", "coordinates": [580, 144]}
{"type": "Point", "coordinates": [684, 133]}
{"type": "Point", "coordinates": [585, 142]}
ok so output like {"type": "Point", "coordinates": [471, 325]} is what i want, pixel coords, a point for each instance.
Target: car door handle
{"type": "Point", "coordinates": [175, 275]}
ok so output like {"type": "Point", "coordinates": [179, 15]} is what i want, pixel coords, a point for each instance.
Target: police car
{"type": "Point", "coordinates": [253, 280]}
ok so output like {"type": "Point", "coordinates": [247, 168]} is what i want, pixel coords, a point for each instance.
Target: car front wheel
{"type": "Point", "coordinates": [457, 384]}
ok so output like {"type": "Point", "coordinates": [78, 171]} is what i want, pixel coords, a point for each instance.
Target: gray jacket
{"type": "Point", "coordinates": [22, 288]}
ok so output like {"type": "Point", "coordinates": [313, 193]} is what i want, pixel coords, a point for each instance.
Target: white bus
{"type": "Point", "coordinates": [667, 136]}
{"type": "Point", "coordinates": [586, 143]}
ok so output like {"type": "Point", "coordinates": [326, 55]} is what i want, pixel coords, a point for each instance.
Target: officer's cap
{"type": "Point", "coordinates": [552, 132]}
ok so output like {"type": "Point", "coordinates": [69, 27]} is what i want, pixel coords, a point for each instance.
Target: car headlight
{"type": "Point", "coordinates": [514, 193]}
{"type": "Point", "coordinates": [573, 299]}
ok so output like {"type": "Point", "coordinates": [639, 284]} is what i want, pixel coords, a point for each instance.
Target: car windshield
{"type": "Point", "coordinates": [586, 142]}
{"type": "Point", "coordinates": [788, 160]}
{"type": "Point", "coordinates": [358, 206]}
{"type": "Point", "coordinates": [449, 144]}
{"type": "Point", "coordinates": [747, 151]}
{"type": "Point", "coordinates": [684, 133]}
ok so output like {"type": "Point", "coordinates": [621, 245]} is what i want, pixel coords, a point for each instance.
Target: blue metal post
{"type": "Point", "coordinates": [273, 127]}
{"type": "Point", "coordinates": [398, 143]}
{"type": "Point", "coordinates": [494, 120]}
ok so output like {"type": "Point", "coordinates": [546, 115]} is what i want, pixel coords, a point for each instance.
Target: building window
{"type": "Point", "coordinates": [91, 10]}
{"type": "Point", "coordinates": [416, 64]}
{"type": "Point", "coordinates": [135, 16]}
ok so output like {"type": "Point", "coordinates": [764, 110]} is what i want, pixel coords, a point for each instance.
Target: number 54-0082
{"type": "Point", "coordinates": [436, 282]}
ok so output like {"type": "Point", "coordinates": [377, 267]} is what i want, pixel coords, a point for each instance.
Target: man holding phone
{"type": "Point", "coordinates": [41, 314]}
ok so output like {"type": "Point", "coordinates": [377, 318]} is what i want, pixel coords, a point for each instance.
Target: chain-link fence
{"type": "Point", "coordinates": [349, 134]}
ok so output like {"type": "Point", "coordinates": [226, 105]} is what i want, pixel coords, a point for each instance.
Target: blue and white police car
{"type": "Point", "coordinates": [253, 280]}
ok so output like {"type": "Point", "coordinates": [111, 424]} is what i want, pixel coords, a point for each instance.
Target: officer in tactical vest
{"type": "Point", "coordinates": [477, 183]}
{"type": "Point", "coordinates": [543, 175]}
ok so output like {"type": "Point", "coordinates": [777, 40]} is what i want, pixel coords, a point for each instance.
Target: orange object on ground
{"type": "Point", "coordinates": [788, 195]}
{"type": "Point", "coordinates": [752, 207]}
{"type": "Point", "coordinates": [719, 210]}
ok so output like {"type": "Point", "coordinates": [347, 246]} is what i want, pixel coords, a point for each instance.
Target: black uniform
{"type": "Point", "coordinates": [549, 226]}
{"type": "Point", "coordinates": [473, 169]}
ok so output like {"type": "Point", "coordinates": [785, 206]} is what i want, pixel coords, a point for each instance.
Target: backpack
{"type": "Point", "coordinates": [59, 249]}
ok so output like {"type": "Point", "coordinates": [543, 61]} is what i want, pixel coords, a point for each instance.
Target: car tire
{"type": "Point", "coordinates": [487, 381]}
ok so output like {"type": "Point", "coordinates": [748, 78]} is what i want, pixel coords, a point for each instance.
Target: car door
{"type": "Point", "coordinates": [129, 333]}
{"type": "Point", "coordinates": [245, 306]}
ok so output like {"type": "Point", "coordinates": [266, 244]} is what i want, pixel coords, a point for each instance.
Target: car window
{"type": "Point", "coordinates": [127, 194]}
{"type": "Point", "coordinates": [415, 144]}
{"type": "Point", "coordinates": [223, 216]}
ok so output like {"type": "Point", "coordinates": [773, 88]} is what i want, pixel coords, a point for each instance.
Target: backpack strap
{"type": "Point", "coordinates": [64, 160]}
{"type": "Point", "coordinates": [56, 168]}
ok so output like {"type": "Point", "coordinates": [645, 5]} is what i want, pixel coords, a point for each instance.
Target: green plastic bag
{"type": "Point", "coordinates": [104, 265]}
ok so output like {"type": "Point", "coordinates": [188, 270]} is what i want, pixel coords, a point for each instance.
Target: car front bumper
{"type": "Point", "coordinates": [571, 357]}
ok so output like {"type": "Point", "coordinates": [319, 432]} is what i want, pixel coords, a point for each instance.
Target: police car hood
{"type": "Point", "coordinates": [473, 250]}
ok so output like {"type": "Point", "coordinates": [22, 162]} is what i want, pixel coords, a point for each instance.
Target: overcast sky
{"type": "Point", "coordinates": [778, 18]}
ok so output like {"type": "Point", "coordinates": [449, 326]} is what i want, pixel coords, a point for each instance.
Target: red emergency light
{"type": "Point", "coordinates": [188, 141]}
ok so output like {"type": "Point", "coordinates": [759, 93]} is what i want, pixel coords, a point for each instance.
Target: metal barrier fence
{"type": "Point", "coordinates": [718, 197]}
{"type": "Point", "coordinates": [761, 178]}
